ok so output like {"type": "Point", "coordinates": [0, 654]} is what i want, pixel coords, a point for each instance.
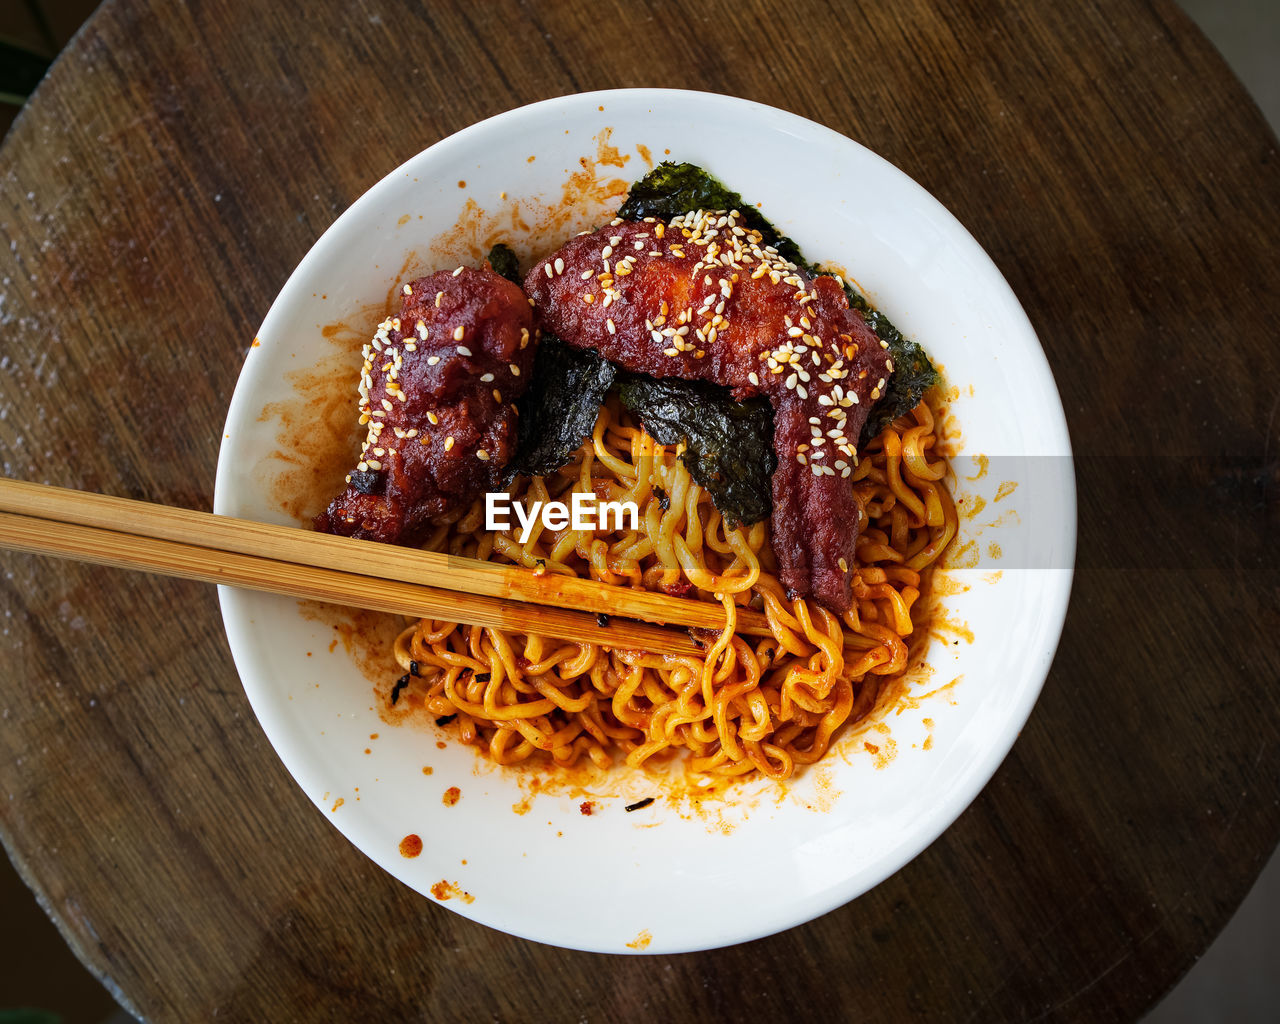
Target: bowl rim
{"type": "Point", "coordinates": [1056, 598]}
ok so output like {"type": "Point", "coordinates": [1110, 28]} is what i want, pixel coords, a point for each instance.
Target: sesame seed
{"type": "Point", "coordinates": [432, 360]}
{"type": "Point", "coordinates": [464, 351]}
{"type": "Point", "coordinates": [515, 370]}
{"type": "Point", "coordinates": [754, 379]}
{"type": "Point", "coordinates": [524, 336]}
{"type": "Point", "coordinates": [608, 325]}
{"type": "Point", "coordinates": [548, 269]}
{"type": "Point", "coordinates": [486, 378]}
{"type": "Point", "coordinates": [408, 290]}
{"type": "Point", "coordinates": [559, 265]}
{"type": "Point", "coordinates": [457, 272]}
{"type": "Point", "coordinates": [433, 418]}
{"type": "Point", "coordinates": [800, 390]}
{"type": "Point", "coordinates": [448, 442]}
{"type": "Point", "coordinates": [387, 405]}
{"type": "Point", "coordinates": [458, 332]}
{"type": "Point", "coordinates": [375, 464]}
{"type": "Point", "coordinates": [482, 455]}
{"type": "Point", "coordinates": [497, 396]}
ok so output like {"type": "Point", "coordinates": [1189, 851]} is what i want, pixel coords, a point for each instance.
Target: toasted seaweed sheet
{"type": "Point", "coordinates": [912, 375]}
{"type": "Point", "coordinates": [729, 444]}
{"type": "Point", "coordinates": [671, 189]}
{"type": "Point", "coordinates": [561, 409]}
{"type": "Point", "coordinates": [504, 263]}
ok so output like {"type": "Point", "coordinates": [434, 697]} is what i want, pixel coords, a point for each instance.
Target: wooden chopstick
{"type": "Point", "coordinates": [188, 561]}
{"type": "Point", "coordinates": [460, 588]}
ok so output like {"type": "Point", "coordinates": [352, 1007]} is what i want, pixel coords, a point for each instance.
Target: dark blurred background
{"type": "Point", "coordinates": [41, 982]}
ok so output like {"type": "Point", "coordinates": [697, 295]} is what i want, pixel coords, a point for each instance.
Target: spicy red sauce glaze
{"type": "Point", "coordinates": [410, 845]}
{"type": "Point", "coordinates": [437, 388]}
{"type": "Point", "coordinates": [701, 298]}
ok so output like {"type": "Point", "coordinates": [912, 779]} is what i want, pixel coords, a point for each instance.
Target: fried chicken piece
{"type": "Point", "coordinates": [701, 298]}
{"type": "Point", "coordinates": [436, 391]}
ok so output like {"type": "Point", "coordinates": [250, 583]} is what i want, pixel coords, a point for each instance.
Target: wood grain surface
{"type": "Point", "coordinates": [180, 160]}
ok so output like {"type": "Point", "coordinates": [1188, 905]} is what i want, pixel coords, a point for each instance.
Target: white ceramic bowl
{"type": "Point", "coordinates": [677, 875]}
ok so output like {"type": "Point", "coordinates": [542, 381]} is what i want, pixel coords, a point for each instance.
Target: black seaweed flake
{"type": "Point", "coordinates": [729, 444]}
{"type": "Point", "coordinates": [602, 619]}
{"type": "Point", "coordinates": [664, 499]}
{"type": "Point", "coordinates": [557, 414]}
{"type": "Point", "coordinates": [401, 683]}
{"type": "Point", "coordinates": [504, 263]}
{"type": "Point", "coordinates": [414, 669]}
{"type": "Point", "coordinates": [639, 804]}
{"type": "Point", "coordinates": [483, 677]}
{"type": "Point", "coordinates": [446, 719]}
{"type": "Point", "coordinates": [366, 481]}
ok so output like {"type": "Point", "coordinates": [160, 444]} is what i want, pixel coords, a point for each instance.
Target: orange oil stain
{"type": "Point", "coordinates": [641, 941]}
{"type": "Point", "coordinates": [445, 890]}
{"type": "Point", "coordinates": [964, 556]}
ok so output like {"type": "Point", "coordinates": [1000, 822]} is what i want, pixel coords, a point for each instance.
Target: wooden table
{"type": "Point", "coordinates": [178, 163]}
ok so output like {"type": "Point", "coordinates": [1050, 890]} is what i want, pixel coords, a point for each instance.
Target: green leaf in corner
{"type": "Point", "coordinates": [28, 1015]}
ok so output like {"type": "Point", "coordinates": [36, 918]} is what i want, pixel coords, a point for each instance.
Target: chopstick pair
{"type": "Point", "coordinates": [129, 534]}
